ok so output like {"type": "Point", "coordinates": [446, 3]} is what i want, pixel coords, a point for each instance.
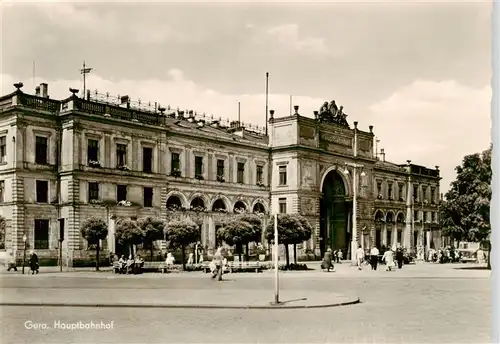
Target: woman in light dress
{"type": "Point", "coordinates": [170, 260]}
{"type": "Point", "coordinates": [389, 259]}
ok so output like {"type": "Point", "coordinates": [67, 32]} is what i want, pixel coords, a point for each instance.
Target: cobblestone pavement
{"type": "Point", "coordinates": [420, 304]}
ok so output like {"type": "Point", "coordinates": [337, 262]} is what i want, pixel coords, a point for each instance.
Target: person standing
{"type": "Point", "coordinates": [399, 257]}
{"type": "Point", "coordinates": [360, 257]}
{"type": "Point", "coordinates": [327, 260]}
{"type": "Point", "coordinates": [389, 259]}
{"type": "Point", "coordinates": [374, 257]}
{"type": "Point", "coordinates": [340, 256]}
{"type": "Point", "coordinates": [34, 264]}
{"type": "Point", "coordinates": [218, 262]}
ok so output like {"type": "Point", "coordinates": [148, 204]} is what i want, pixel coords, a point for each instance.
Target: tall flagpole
{"type": "Point", "coordinates": [267, 100]}
{"type": "Point", "coordinates": [84, 71]}
{"type": "Point", "coordinates": [290, 104]}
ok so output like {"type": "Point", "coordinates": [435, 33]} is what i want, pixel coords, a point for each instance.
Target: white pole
{"type": "Point", "coordinates": [354, 242]}
{"type": "Point", "coordinates": [276, 252]}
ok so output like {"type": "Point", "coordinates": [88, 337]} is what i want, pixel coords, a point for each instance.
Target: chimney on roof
{"type": "Point", "coordinates": [382, 152]}
{"type": "Point", "coordinates": [37, 91]}
{"type": "Point", "coordinates": [44, 90]}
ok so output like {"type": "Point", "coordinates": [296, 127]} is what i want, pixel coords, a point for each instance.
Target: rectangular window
{"type": "Point", "coordinates": [282, 205]}
{"type": "Point", "coordinates": [400, 191]}
{"type": "Point", "coordinates": [260, 174]}
{"type": "Point", "coordinates": [148, 197]}
{"type": "Point", "coordinates": [121, 193]}
{"type": "Point", "coordinates": [41, 145]}
{"type": "Point", "coordinates": [241, 173]}
{"type": "Point", "coordinates": [41, 234]}
{"type": "Point", "coordinates": [282, 171]}
{"type": "Point", "coordinates": [433, 217]}
{"type": "Point", "coordinates": [2, 190]}
{"type": "Point", "coordinates": [415, 215]}
{"type": "Point", "coordinates": [176, 162]}
{"type": "Point", "coordinates": [93, 191]}
{"type": "Point", "coordinates": [121, 155]}
{"type": "Point", "coordinates": [198, 166]}
{"type": "Point", "coordinates": [415, 192]}
{"type": "Point", "coordinates": [92, 150]}
{"type": "Point", "coordinates": [424, 193]}
{"type": "Point", "coordinates": [220, 169]}
{"type": "Point", "coordinates": [147, 159]}
{"type": "Point", "coordinates": [3, 149]}
{"type": "Point", "coordinates": [433, 197]}
{"type": "Point", "coordinates": [389, 190]}
{"type": "Point", "coordinates": [42, 191]}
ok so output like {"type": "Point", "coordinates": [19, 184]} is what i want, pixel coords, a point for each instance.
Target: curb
{"type": "Point", "coordinates": [136, 305]}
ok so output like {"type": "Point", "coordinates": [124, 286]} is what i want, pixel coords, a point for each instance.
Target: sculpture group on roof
{"type": "Point", "coordinates": [331, 113]}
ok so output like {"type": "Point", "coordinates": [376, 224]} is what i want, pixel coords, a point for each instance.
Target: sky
{"type": "Point", "coordinates": [419, 72]}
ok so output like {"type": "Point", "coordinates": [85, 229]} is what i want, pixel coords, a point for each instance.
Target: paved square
{"type": "Point", "coordinates": [420, 304]}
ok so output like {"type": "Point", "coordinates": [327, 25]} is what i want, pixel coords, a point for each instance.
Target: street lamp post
{"type": "Point", "coordinates": [24, 254]}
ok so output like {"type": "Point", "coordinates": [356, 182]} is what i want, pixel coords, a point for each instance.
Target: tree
{"type": "Point", "coordinates": [256, 223]}
{"type": "Point", "coordinates": [465, 214]}
{"type": "Point", "coordinates": [292, 229]}
{"type": "Point", "coordinates": [181, 234]}
{"type": "Point", "coordinates": [128, 233]}
{"type": "Point", "coordinates": [306, 233]}
{"type": "Point", "coordinates": [236, 232]}
{"type": "Point", "coordinates": [94, 230]}
{"type": "Point", "coordinates": [153, 229]}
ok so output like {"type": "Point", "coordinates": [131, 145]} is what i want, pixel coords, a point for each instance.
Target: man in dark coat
{"type": "Point", "coordinates": [327, 260]}
{"type": "Point", "coordinates": [34, 266]}
{"type": "Point", "coordinates": [399, 257]}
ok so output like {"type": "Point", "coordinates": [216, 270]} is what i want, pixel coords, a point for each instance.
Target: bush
{"type": "Point", "coordinates": [294, 267]}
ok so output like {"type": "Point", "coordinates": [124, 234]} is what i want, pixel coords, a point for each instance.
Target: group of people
{"type": "Point", "coordinates": [390, 257]}
{"type": "Point", "coordinates": [34, 264]}
{"type": "Point", "coordinates": [130, 265]}
{"type": "Point", "coordinates": [443, 255]}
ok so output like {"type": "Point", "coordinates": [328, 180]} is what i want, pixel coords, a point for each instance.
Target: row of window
{"type": "Point", "coordinates": [121, 194]}
{"type": "Point", "coordinates": [400, 192]}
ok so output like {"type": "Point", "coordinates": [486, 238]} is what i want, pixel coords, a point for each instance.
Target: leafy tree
{"type": "Point", "coordinates": [292, 229]}
{"type": "Point", "coordinates": [94, 230]}
{"type": "Point", "coordinates": [236, 232]}
{"type": "Point", "coordinates": [181, 234]}
{"type": "Point", "coordinates": [128, 233]}
{"type": "Point", "coordinates": [465, 214]}
{"type": "Point", "coordinates": [256, 223]}
{"type": "Point", "coordinates": [153, 230]}
{"type": "Point", "coordinates": [306, 233]}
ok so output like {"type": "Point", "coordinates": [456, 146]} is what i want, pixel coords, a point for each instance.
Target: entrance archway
{"type": "Point", "coordinates": [334, 211]}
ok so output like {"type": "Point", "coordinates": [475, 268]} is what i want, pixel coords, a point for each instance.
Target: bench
{"type": "Point", "coordinates": [205, 266]}
{"type": "Point", "coordinates": [244, 266]}
{"type": "Point", "coordinates": [156, 266]}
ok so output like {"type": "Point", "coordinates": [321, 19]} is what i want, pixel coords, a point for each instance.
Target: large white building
{"type": "Point", "coordinates": [75, 158]}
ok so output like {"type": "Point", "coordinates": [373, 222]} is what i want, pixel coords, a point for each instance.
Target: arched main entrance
{"type": "Point", "coordinates": [334, 212]}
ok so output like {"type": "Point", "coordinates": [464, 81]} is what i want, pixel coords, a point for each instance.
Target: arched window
{"type": "Point", "coordinates": [197, 204]}
{"type": "Point", "coordinates": [259, 208]}
{"type": "Point", "coordinates": [239, 207]}
{"type": "Point", "coordinates": [174, 203]}
{"type": "Point", "coordinates": [219, 205]}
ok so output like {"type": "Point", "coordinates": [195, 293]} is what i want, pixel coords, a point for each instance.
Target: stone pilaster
{"type": "Point", "coordinates": [407, 234]}
{"type": "Point", "coordinates": [163, 212]}
{"type": "Point", "coordinates": [18, 217]}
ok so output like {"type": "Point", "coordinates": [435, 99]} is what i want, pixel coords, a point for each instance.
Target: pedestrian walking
{"type": "Point", "coordinates": [340, 256]}
{"type": "Point", "coordinates": [360, 257]}
{"type": "Point", "coordinates": [399, 256]}
{"type": "Point", "coordinates": [374, 257]}
{"type": "Point", "coordinates": [327, 260]}
{"type": "Point", "coordinates": [11, 262]}
{"type": "Point", "coordinates": [218, 262]}
{"type": "Point", "coordinates": [388, 259]}
{"type": "Point", "coordinates": [34, 264]}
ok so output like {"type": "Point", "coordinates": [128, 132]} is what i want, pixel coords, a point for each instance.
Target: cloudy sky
{"type": "Point", "coordinates": [419, 72]}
